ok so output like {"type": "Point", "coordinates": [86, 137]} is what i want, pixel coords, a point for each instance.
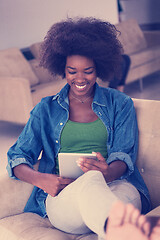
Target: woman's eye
{"type": "Point", "coordinates": [90, 72]}
{"type": "Point", "coordinates": [72, 73]}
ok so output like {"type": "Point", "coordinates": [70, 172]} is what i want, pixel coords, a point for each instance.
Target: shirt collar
{"type": "Point", "coordinates": [99, 96]}
{"type": "Point", "coordinates": [63, 94]}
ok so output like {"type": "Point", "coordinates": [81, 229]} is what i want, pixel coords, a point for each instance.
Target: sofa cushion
{"type": "Point", "coordinates": [14, 195]}
{"type": "Point", "coordinates": [29, 226]}
{"type": "Point", "coordinates": [34, 48]}
{"type": "Point", "coordinates": [43, 74]}
{"type": "Point", "coordinates": [144, 56]}
{"type": "Point", "coordinates": [16, 102]}
{"type": "Point", "coordinates": [13, 64]}
{"type": "Point", "coordinates": [131, 37]}
{"type": "Point", "coordinates": [46, 89]}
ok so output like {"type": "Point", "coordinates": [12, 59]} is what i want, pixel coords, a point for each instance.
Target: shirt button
{"type": "Point", "coordinates": [56, 141]}
{"type": "Point", "coordinates": [142, 170]}
{"type": "Point", "coordinates": [61, 123]}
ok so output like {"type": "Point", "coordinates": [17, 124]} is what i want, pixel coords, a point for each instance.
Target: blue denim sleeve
{"type": "Point", "coordinates": [29, 144]}
{"type": "Point", "coordinates": [15, 162]}
{"type": "Point", "coordinates": [124, 144]}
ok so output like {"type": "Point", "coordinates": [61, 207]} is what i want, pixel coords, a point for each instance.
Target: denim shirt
{"type": "Point", "coordinates": [43, 130]}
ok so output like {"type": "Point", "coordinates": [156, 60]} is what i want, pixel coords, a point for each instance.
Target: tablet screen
{"type": "Point", "coordinates": [68, 166]}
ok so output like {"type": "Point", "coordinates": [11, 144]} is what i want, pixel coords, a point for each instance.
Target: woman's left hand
{"type": "Point", "coordinates": [110, 172]}
{"type": "Point", "coordinates": [100, 164]}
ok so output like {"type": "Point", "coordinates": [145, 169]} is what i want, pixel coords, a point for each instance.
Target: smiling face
{"type": "Point", "coordinates": [80, 74]}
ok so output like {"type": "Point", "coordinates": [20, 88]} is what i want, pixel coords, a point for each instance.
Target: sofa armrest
{"type": "Point", "coordinates": [154, 212]}
{"type": "Point", "coordinates": [14, 195]}
{"type": "Point", "coordinates": [152, 38]}
{"type": "Point", "coordinates": [16, 101]}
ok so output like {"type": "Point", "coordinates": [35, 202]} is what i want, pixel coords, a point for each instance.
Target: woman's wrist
{"type": "Point", "coordinates": [115, 170]}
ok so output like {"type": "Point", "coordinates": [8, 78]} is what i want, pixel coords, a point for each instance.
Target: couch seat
{"type": "Point", "coordinates": [29, 226]}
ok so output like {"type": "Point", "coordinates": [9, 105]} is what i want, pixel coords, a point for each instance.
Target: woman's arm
{"type": "Point", "coordinates": [50, 183]}
{"type": "Point", "coordinates": [115, 170]}
{"type": "Point", "coordinates": [124, 137]}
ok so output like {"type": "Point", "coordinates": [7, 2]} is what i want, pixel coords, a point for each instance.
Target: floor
{"type": "Point", "coordinates": [10, 132]}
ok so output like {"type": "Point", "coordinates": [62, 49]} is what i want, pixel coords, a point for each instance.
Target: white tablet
{"type": "Point", "coordinates": [68, 166]}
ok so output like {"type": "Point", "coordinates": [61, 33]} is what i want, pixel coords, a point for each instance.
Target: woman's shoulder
{"type": "Point", "coordinates": [114, 96]}
{"type": "Point", "coordinates": [118, 102]}
{"type": "Point", "coordinates": [44, 104]}
{"type": "Point", "coordinates": [47, 100]}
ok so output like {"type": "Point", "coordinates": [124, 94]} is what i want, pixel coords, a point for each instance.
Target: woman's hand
{"type": "Point", "coordinates": [110, 172]}
{"type": "Point", "coordinates": [99, 164]}
{"type": "Point", "coordinates": [52, 184]}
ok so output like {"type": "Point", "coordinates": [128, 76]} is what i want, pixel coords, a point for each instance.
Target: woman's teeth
{"type": "Point", "coordinates": [80, 87]}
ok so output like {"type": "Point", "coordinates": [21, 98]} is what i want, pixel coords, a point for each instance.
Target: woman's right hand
{"type": "Point", "coordinates": [52, 184]}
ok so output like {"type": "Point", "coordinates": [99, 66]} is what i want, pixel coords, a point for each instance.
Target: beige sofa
{"type": "Point", "coordinates": [143, 47]}
{"type": "Point", "coordinates": [16, 225]}
{"type": "Point", "coordinates": [20, 88]}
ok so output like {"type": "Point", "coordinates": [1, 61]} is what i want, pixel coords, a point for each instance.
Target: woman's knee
{"type": "Point", "coordinates": [93, 175]}
{"type": "Point", "coordinates": [126, 192]}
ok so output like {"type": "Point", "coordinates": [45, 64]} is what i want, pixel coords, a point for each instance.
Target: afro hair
{"type": "Point", "coordinates": [89, 37]}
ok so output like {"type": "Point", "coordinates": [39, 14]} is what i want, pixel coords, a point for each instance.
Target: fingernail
{"type": "Point", "coordinates": [93, 152]}
{"type": "Point", "coordinates": [78, 163]}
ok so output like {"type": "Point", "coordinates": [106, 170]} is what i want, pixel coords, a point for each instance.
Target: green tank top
{"type": "Point", "coordinates": [84, 138]}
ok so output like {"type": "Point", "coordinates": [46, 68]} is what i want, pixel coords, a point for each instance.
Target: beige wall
{"type": "Point", "coordinates": [23, 22]}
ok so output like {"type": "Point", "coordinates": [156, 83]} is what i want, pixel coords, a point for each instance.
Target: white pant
{"type": "Point", "coordinates": [83, 206]}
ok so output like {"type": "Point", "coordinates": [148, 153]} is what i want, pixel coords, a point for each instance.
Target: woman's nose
{"type": "Point", "coordinates": [80, 76]}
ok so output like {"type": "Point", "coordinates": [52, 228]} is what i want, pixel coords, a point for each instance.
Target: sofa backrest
{"type": "Point", "coordinates": [148, 161]}
{"type": "Point", "coordinates": [43, 74]}
{"type": "Point", "coordinates": [35, 49]}
{"type": "Point", "coordinates": [131, 37]}
{"type": "Point", "coordinates": [14, 64]}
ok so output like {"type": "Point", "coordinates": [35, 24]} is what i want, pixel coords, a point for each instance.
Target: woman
{"type": "Point", "coordinates": [81, 118]}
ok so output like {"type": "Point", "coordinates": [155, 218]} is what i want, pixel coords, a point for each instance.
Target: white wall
{"type": "Point", "coordinates": [23, 22]}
